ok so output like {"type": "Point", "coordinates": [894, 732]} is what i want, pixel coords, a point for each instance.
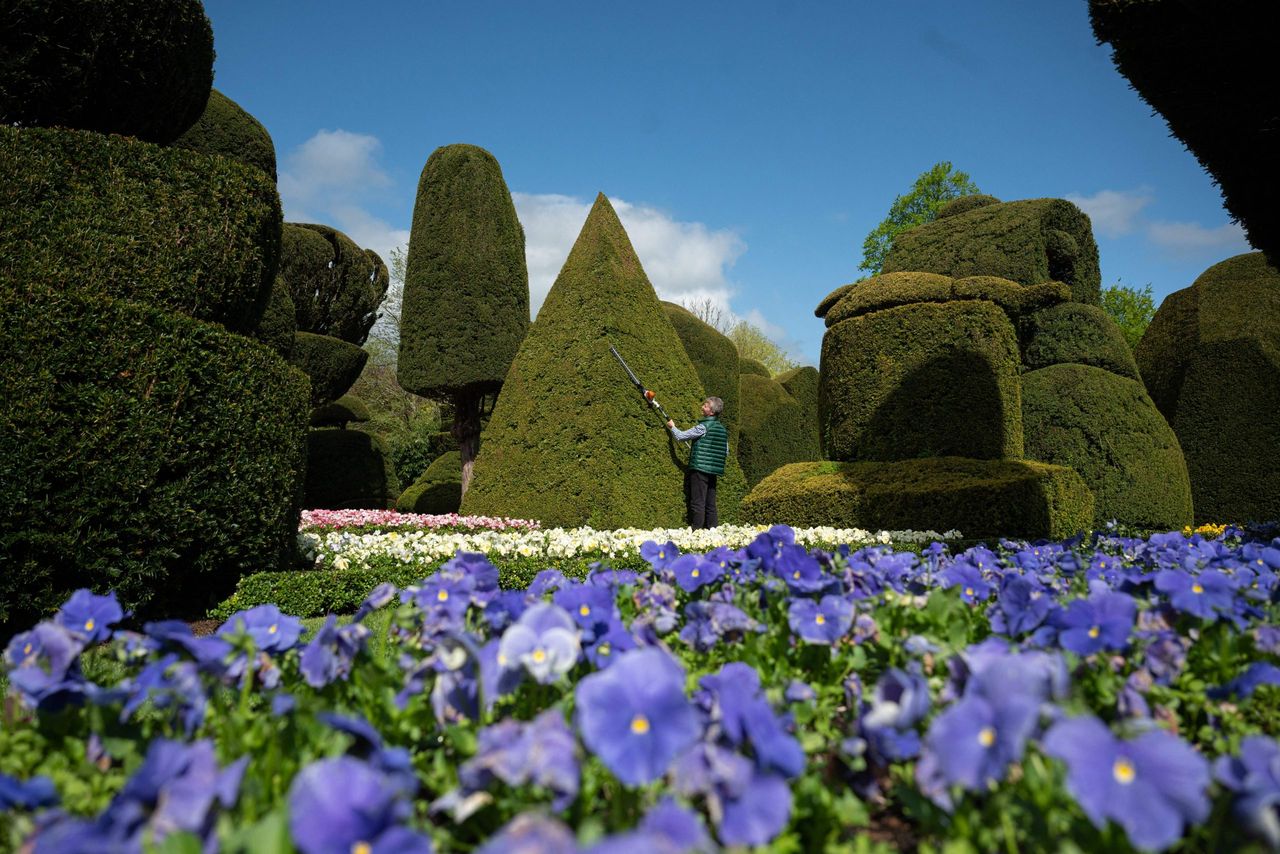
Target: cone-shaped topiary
{"type": "Point", "coordinates": [1076, 333]}
{"type": "Point", "coordinates": [1223, 105]}
{"type": "Point", "coordinates": [335, 285]}
{"type": "Point", "coordinates": [802, 384]}
{"type": "Point", "coordinates": [332, 365]}
{"type": "Point", "coordinates": [139, 68]}
{"type": "Point", "coordinates": [1211, 358]}
{"type": "Point", "coordinates": [349, 470]}
{"type": "Point", "coordinates": [178, 229]}
{"type": "Point", "coordinates": [466, 290]}
{"type": "Point", "coordinates": [776, 429]}
{"type": "Point", "coordinates": [226, 129]}
{"type": "Point", "coordinates": [1106, 428]}
{"type": "Point", "coordinates": [1029, 242]}
{"type": "Point", "coordinates": [714, 357]}
{"type": "Point", "coordinates": [570, 441]}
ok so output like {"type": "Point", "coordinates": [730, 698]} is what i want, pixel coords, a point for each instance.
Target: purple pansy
{"type": "Point", "coordinates": [801, 571]}
{"type": "Point", "coordinates": [659, 556]}
{"type": "Point", "coordinates": [824, 622]}
{"type": "Point", "coordinates": [1021, 606]}
{"type": "Point", "coordinates": [973, 741]}
{"type": "Point", "coordinates": [1206, 595]}
{"type": "Point", "coordinates": [26, 794]}
{"type": "Point", "coordinates": [635, 715]}
{"type": "Point", "coordinates": [1101, 622]}
{"type": "Point", "coordinates": [270, 630]}
{"type": "Point", "coordinates": [544, 641]}
{"type": "Point", "coordinates": [1255, 778]}
{"type": "Point", "coordinates": [968, 579]}
{"type": "Point", "coordinates": [341, 805]}
{"type": "Point", "coordinates": [692, 571]}
{"type": "Point", "coordinates": [609, 644]}
{"type": "Point", "coordinates": [531, 833]}
{"type": "Point", "coordinates": [330, 654]}
{"type": "Point", "coordinates": [591, 607]}
{"type": "Point", "coordinates": [89, 616]}
{"type": "Point", "coordinates": [1153, 786]}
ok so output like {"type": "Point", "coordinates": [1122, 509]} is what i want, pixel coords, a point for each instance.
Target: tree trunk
{"type": "Point", "coordinates": [466, 429]}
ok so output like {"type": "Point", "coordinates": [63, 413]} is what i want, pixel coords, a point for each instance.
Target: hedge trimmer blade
{"type": "Point", "coordinates": [645, 393]}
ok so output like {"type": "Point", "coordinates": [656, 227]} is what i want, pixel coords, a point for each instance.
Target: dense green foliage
{"type": "Point", "coordinates": [754, 344]}
{"type": "Point", "coordinates": [1211, 359]}
{"type": "Point", "coordinates": [1073, 332]}
{"type": "Point", "coordinates": [894, 289]}
{"type": "Point", "coordinates": [331, 364]}
{"type": "Point", "coordinates": [960, 204]}
{"type": "Point", "coordinates": [1130, 308]}
{"type": "Point", "coordinates": [335, 285]}
{"type": "Point", "coordinates": [143, 451]}
{"type": "Point", "coordinates": [225, 128]}
{"type": "Point", "coordinates": [930, 193]}
{"type": "Point", "coordinates": [570, 441]}
{"type": "Point", "coordinates": [776, 429]}
{"type": "Point", "coordinates": [341, 412]}
{"type": "Point", "coordinates": [170, 227]}
{"type": "Point", "coordinates": [278, 326]}
{"type": "Point", "coordinates": [466, 291]}
{"type": "Point", "coordinates": [1106, 428]}
{"type": "Point", "coordinates": [922, 380]}
{"type": "Point", "coordinates": [138, 68]}
{"type": "Point", "coordinates": [438, 490]}
{"type": "Point", "coordinates": [348, 470]}
{"type": "Point", "coordinates": [1029, 242]}
{"type": "Point", "coordinates": [980, 498]}
{"type": "Point", "coordinates": [714, 357]}
{"type": "Point", "coordinates": [1222, 105]}
{"type": "Point", "coordinates": [753, 367]}
{"type": "Point", "coordinates": [802, 384]}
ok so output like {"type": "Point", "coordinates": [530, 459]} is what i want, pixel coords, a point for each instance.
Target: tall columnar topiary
{"type": "Point", "coordinates": [466, 290]}
{"type": "Point", "coordinates": [570, 442]}
{"type": "Point", "coordinates": [776, 429]}
{"type": "Point", "coordinates": [1209, 70]}
{"type": "Point", "coordinates": [802, 384]}
{"type": "Point", "coordinates": [1028, 242]}
{"type": "Point", "coordinates": [139, 68]}
{"type": "Point", "coordinates": [178, 229]}
{"type": "Point", "coordinates": [226, 129]}
{"type": "Point", "coordinates": [336, 286]}
{"type": "Point", "coordinates": [1211, 359]}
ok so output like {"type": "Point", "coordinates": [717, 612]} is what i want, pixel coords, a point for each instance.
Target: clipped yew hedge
{"type": "Point", "coordinates": [1075, 333]}
{"type": "Point", "coordinates": [802, 384]}
{"type": "Point", "coordinates": [331, 364]}
{"type": "Point", "coordinates": [341, 412]}
{"type": "Point", "coordinates": [714, 357]}
{"type": "Point", "coordinates": [144, 452]}
{"type": "Point", "coordinates": [753, 367]}
{"type": "Point", "coordinates": [349, 470]}
{"type": "Point", "coordinates": [438, 490]}
{"type": "Point", "coordinates": [140, 68]}
{"type": "Point", "coordinates": [226, 129]}
{"type": "Point", "coordinates": [1106, 428]}
{"type": "Point", "coordinates": [980, 498]}
{"type": "Point", "coordinates": [277, 326]}
{"type": "Point", "coordinates": [104, 214]}
{"type": "Point", "coordinates": [776, 429]}
{"type": "Point", "coordinates": [895, 289]}
{"type": "Point", "coordinates": [336, 286]}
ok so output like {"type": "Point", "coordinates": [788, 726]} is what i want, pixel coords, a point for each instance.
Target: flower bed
{"type": "Point", "coordinates": [1101, 695]}
{"type": "Point", "coordinates": [322, 520]}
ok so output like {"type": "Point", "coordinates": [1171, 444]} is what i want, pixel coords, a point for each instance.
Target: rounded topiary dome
{"type": "Point", "coordinates": [966, 203]}
{"type": "Point", "coordinates": [226, 129]}
{"type": "Point", "coordinates": [1073, 332]}
{"type": "Point", "coordinates": [139, 68]}
{"type": "Point", "coordinates": [336, 286]}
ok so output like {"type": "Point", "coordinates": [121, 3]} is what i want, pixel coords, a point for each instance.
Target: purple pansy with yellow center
{"type": "Point", "coordinates": [824, 622]}
{"type": "Point", "coordinates": [544, 641]}
{"type": "Point", "coordinates": [89, 616]}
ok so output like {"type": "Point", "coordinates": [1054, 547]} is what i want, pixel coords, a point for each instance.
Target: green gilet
{"type": "Point", "coordinates": [710, 450]}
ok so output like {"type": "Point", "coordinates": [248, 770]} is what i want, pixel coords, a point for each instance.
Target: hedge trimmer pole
{"type": "Point", "coordinates": [645, 393]}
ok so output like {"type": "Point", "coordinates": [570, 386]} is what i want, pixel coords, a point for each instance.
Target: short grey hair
{"type": "Point", "coordinates": [716, 404]}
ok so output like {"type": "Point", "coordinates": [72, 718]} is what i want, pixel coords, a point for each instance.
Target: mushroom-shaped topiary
{"type": "Point", "coordinates": [226, 129]}
{"type": "Point", "coordinates": [341, 412]}
{"type": "Point", "coordinates": [336, 286]}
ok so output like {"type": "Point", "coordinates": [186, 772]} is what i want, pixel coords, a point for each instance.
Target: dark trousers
{"type": "Point", "coordinates": [700, 499]}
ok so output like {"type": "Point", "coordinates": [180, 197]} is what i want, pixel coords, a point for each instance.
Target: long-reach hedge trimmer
{"type": "Point", "coordinates": [649, 399]}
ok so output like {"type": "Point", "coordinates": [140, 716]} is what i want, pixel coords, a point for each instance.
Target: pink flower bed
{"type": "Point", "coordinates": [333, 519]}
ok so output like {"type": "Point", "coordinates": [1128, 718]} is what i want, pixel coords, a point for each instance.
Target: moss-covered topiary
{"type": "Point", "coordinates": [139, 68]}
{"type": "Point", "coordinates": [277, 326]}
{"type": "Point", "coordinates": [1222, 104]}
{"type": "Point", "coordinates": [331, 364]}
{"type": "Point", "coordinates": [336, 286]}
{"type": "Point", "coordinates": [1106, 428]}
{"type": "Point", "coordinates": [570, 441]}
{"type": "Point", "coordinates": [753, 367]}
{"type": "Point", "coordinates": [979, 498]}
{"type": "Point", "coordinates": [929, 379]}
{"type": "Point", "coordinates": [776, 429]}
{"type": "Point", "coordinates": [1029, 242]}
{"type": "Point", "coordinates": [104, 214]}
{"type": "Point", "coordinates": [226, 129]}
{"type": "Point", "coordinates": [144, 452]}
{"type": "Point", "coordinates": [349, 470]}
{"type": "Point", "coordinates": [1075, 333]}
{"type": "Point", "coordinates": [714, 357]}
{"type": "Point", "coordinates": [894, 289]}
{"type": "Point", "coordinates": [1212, 358]}
{"type": "Point", "coordinates": [438, 490]}
{"type": "Point", "coordinates": [961, 204]}
{"type": "Point", "coordinates": [341, 412]}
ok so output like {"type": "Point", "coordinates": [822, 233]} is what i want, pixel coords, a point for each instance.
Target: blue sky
{"type": "Point", "coordinates": [748, 147]}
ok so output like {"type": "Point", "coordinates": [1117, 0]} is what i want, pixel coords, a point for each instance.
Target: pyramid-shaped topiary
{"type": "Point", "coordinates": [570, 442]}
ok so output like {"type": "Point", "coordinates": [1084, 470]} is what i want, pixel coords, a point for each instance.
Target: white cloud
{"type": "Point", "coordinates": [1114, 213]}
{"type": "Point", "coordinates": [685, 261]}
{"type": "Point", "coordinates": [1193, 237]}
{"type": "Point", "coordinates": [333, 178]}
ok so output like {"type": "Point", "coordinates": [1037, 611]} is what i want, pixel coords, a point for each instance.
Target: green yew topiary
{"type": "Point", "coordinates": [144, 452]}
{"type": "Point", "coordinates": [961, 204]}
{"type": "Point", "coordinates": [341, 412]}
{"type": "Point", "coordinates": [714, 357]}
{"type": "Point", "coordinates": [331, 364]}
{"type": "Point", "coordinates": [140, 68]}
{"type": "Point", "coordinates": [438, 490]}
{"type": "Point", "coordinates": [1209, 70]}
{"type": "Point", "coordinates": [336, 286]}
{"type": "Point", "coordinates": [1106, 428]}
{"type": "Point", "coordinates": [349, 470]}
{"type": "Point", "coordinates": [753, 367]}
{"type": "Point", "coordinates": [278, 326]}
{"type": "Point", "coordinates": [174, 228]}
{"type": "Point", "coordinates": [1029, 242]}
{"type": "Point", "coordinates": [922, 380]}
{"type": "Point", "coordinates": [1073, 332]}
{"type": "Point", "coordinates": [226, 129]}
{"type": "Point", "coordinates": [776, 429]}
{"type": "Point", "coordinates": [571, 442]}
{"type": "Point", "coordinates": [1211, 358]}
{"type": "Point", "coordinates": [979, 498]}
{"type": "Point", "coordinates": [802, 384]}
{"type": "Point", "coordinates": [894, 289]}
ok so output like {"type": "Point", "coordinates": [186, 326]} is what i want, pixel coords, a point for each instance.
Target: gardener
{"type": "Point", "coordinates": [706, 463]}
